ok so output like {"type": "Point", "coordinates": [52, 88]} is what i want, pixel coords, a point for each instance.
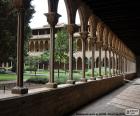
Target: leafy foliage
{"type": "Point", "coordinates": [61, 46]}
{"type": "Point", "coordinates": [8, 28]}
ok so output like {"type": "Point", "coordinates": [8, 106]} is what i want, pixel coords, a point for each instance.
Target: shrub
{"type": "Point", "coordinates": [37, 80]}
{"type": "Point", "coordinates": [2, 70]}
{"type": "Point", "coordinates": [28, 68]}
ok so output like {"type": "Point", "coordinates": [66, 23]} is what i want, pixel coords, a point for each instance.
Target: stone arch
{"type": "Point", "coordinates": [46, 45]}
{"type": "Point", "coordinates": [41, 46]}
{"type": "Point", "coordinates": [105, 35]}
{"type": "Point", "coordinates": [71, 7]}
{"type": "Point", "coordinates": [99, 32]}
{"type": "Point", "coordinates": [84, 13]}
{"type": "Point", "coordinates": [36, 46]}
{"type": "Point", "coordinates": [31, 48]}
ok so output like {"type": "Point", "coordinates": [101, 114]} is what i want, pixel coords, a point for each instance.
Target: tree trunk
{"type": "Point", "coordinates": [58, 68]}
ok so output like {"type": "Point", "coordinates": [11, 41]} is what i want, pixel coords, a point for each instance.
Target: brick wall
{"type": "Point", "coordinates": [59, 101]}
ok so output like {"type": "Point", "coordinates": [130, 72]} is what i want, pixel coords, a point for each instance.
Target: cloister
{"type": "Point", "coordinates": [96, 42]}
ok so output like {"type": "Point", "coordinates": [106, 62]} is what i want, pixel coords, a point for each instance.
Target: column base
{"type": "Point", "coordinates": [113, 75]}
{"type": "Point", "coordinates": [83, 80]}
{"type": "Point", "coordinates": [105, 76]}
{"type": "Point", "coordinates": [19, 90]}
{"type": "Point", "coordinates": [70, 82]}
{"type": "Point", "coordinates": [51, 85]}
{"type": "Point", "coordinates": [92, 78]}
{"type": "Point", "coordinates": [109, 76]}
{"type": "Point", "coordinates": [99, 78]}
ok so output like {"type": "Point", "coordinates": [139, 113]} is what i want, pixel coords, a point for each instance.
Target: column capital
{"type": "Point", "coordinates": [71, 28]}
{"type": "Point", "coordinates": [84, 35]}
{"type": "Point", "coordinates": [105, 47]}
{"type": "Point", "coordinates": [52, 18]}
{"type": "Point", "coordinates": [94, 39]}
{"type": "Point", "coordinates": [99, 43]}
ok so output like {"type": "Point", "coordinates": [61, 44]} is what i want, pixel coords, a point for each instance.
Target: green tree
{"type": "Point", "coordinates": [61, 47]}
{"type": "Point", "coordinates": [32, 63]}
{"type": "Point", "coordinates": [8, 28]}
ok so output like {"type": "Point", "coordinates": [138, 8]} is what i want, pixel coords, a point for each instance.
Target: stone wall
{"type": "Point", "coordinates": [60, 101]}
{"type": "Point", "coordinates": [138, 65]}
{"type": "Point", "coordinates": [131, 76]}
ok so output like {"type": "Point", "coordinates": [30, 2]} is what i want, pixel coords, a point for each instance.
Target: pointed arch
{"type": "Point", "coordinates": [79, 62]}
{"type": "Point", "coordinates": [31, 48]}
{"type": "Point", "coordinates": [36, 46]}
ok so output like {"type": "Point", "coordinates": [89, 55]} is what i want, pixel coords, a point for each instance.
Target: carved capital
{"type": "Point", "coordinates": [52, 18]}
{"type": "Point", "coordinates": [99, 44]}
{"type": "Point", "coordinates": [71, 28]}
{"type": "Point", "coordinates": [93, 39]}
{"type": "Point", "coordinates": [105, 47]}
{"type": "Point", "coordinates": [84, 35]}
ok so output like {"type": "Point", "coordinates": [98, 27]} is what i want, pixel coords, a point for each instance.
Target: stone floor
{"type": "Point", "coordinates": [121, 102]}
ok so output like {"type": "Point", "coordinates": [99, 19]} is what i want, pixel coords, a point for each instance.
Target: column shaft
{"type": "Point", "coordinates": [20, 54]}
{"type": "Point", "coordinates": [105, 63]}
{"type": "Point", "coordinates": [110, 63]}
{"type": "Point", "coordinates": [100, 64]}
{"type": "Point", "coordinates": [93, 47]}
{"type": "Point", "coordinates": [84, 37]}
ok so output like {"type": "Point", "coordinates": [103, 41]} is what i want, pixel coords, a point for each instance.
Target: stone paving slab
{"type": "Point", "coordinates": [126, 97]}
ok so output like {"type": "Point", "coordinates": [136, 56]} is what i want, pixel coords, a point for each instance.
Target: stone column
{"type": "Point", "coordinates": [84, 36]}
{"type": "Point", "coordinates": [76, 63]}
{"type": "Point", "coordinates": [99, 44]}
{"type": "Point", "coordinates": [113, 62]}
{"type": "Point", "coordinates": [126, 65]}
{"type": "Point", "coordinates": [93, 48]}
{"type": "Point", "coordinates": [71, 30]}
{"type": "Point", "coordinates": [109, 50]}
{"type": "Point", "coordinates": [120, 64]}
{"type": "Point", "coordinates": [116, 64]}
{"type": "Point", "coordinates": [19, 89]}
{"type": "Point", "coordinates": [105, 63]}
{"type": "Point", "coordinates": [52, 18]}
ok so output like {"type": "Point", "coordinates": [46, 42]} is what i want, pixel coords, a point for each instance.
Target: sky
{"type": "Point", "coordinates": [41, 7]}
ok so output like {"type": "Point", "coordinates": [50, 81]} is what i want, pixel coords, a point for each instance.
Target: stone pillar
{"type": "Point", "coordinates": [19, 89]}
{"type": "Point", "coordinates": [105, 63]}
{"type": "Point", "coordinates": [109, 50]}
{"type": "Point", "coordinates": [84, 36]}
{"type": "Point", "coordinates": [116, 65]}
{"type": "Point", "coordinates": [99, 44]}
{"type": "Point", "coordinates": [93, 48]}
{"type": "Point", "coordinates": [126, 65]}
{"type": "Point", "coordinates": [113, 62]}
{"type": "Point", "coordinates": [76, 63]}
{"type": "Point", "coordinates": [71, 30]}
{"type": "Point", "coordinates": [52, 18]}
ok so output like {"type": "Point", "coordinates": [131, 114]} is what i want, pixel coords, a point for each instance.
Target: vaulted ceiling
{"type": "Point", "coordinates": [123, 17]}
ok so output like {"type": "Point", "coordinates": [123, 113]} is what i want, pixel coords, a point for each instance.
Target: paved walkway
{"type": "Point", "coordinates": [117, 103]}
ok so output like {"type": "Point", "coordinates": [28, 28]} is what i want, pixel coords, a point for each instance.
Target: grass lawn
{"type": "Point", "coordinates": [10, 77]}
{"type": "Point", "coordinates": [45, 74]}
